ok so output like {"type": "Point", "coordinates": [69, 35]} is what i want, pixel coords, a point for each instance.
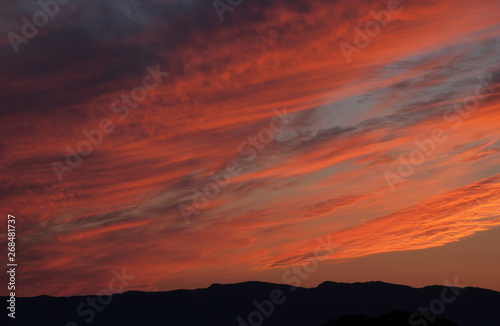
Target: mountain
{"type": "Point", "coordinates": [257, 303]}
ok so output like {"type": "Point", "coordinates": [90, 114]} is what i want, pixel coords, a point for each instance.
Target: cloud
{"type": "Point", "coordinates": [323, 174]}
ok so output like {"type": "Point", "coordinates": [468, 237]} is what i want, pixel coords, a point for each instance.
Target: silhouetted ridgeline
{"type": "Point", "coordinates": [267, 304]}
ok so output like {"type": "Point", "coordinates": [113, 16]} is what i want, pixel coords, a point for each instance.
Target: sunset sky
{"type": "Point", "coordinates": [320, 141]}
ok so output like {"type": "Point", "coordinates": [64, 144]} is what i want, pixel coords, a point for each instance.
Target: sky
{"type": "Point", "coordinates": [188, 143]}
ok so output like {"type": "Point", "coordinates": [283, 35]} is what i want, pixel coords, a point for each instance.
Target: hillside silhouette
{"type": "Point", "coordinates": [269, 304]}
{"type": "Point", "coordinates": [394, 318]}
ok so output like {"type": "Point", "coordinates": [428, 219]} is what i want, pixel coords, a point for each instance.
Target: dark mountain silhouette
{"type": "Point", "coordinates": [264, 303]}
{"type": "Point", "coordinates": [394, 318]}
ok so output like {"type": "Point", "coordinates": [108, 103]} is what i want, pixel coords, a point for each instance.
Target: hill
{"type": "Point", "coordinates": [257, 303]}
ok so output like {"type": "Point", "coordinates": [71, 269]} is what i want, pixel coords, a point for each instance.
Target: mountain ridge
{"type": "Point", "coordinates": [233, 304]}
